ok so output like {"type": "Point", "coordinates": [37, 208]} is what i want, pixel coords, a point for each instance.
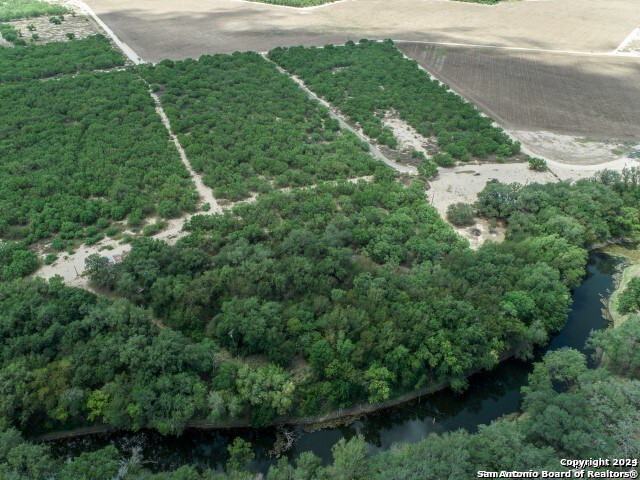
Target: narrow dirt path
{"type": "Point", "coordinates": [205, 192]}
{"type": "Point", "coordinates": [374, 151]}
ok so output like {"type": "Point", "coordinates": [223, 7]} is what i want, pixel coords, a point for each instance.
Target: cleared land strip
{"type": "Point", "coordinates": [374, 151]}
{"type": "Point", "coordinates": [205, 192]}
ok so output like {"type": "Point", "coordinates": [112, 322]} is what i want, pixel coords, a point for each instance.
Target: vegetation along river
{"type": "Point", "coordinates": [490, 395]}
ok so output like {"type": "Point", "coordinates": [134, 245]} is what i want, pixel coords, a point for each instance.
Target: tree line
{"type": "Point", "coordinates": [570, 411]}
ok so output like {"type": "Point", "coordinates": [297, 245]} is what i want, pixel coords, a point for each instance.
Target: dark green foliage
{"type": "Point", "coordinates": [629, 299]}
{"type": "Point", "coordinates": [51, 59]}
{"type": "Point", "coordinates": [16, 261]}
{"type": "Point", "coordinates": [79, 149]}
{"type": "Point", "coordinates": [15, 9]}
{"type": "Point", "coordinates": [65, 353]}
{"type": "Point", "coordinates": [461, 214]}
{"type": "Point", "coordinates": [366, 80]}
{"type": "Point", "coordinates": [364, 281]}
{"type": "Point", "coordinates": [248, 128]}
{"type": "Point", "coordinates": [584, 213]}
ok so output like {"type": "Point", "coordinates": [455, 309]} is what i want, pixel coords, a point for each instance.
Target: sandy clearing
{"type": "Point", "coordinates": [570, 150]}
{"type": "Point", "coordinates": [158, 29]}
{"type": "Point", "coordinates": [481, 232]}
{"type": "Point", "coordinates": [461, 184]}
{"type": "Point", "coordinates": [408, 138]}
{"type": "Point", "coordinates": [80, 25]}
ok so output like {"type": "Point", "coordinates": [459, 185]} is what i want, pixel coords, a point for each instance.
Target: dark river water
{"type": "Point", "coordinates": [490, 395]}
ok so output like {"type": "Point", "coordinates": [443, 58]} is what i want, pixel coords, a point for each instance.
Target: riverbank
{"type": "Point", "coordinates": [344, 416]}
{"type": "Point", "coordinates": [631, 255]}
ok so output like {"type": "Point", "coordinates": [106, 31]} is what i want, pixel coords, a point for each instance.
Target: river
{"type": "Point", "coordinates": [490, 396]}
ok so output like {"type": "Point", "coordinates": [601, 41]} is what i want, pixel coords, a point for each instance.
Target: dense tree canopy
{"type": "Point", "coordinates": [248, 128]}
{"type": "Point", "coordinates": [368, 79]}
{"type": "Point", "coordinates": [56, 58]}
{"type": "Point", "coordinates": [363, 281]}
{"type": "Point", "coordinates": [77, 150]}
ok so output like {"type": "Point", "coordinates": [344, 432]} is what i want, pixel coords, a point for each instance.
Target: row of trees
{"type": "Point", "coordinates": [57, 58]}
{"type": "Point", "coordinates": [248, 128]}
{"type": "Point", "coordinates": [84, 151]}
{"type": "Point", "coordinates": [368, 79]}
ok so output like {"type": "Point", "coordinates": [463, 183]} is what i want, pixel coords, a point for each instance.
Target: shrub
{"type": "Point", "coordinates": [50, 258]}
{"type": "Point", "coordinates": [537, 164]}
{"type": "Point", "coordinates": [461, 214]}
{"type": "Point", "coordinates": [443, 160]}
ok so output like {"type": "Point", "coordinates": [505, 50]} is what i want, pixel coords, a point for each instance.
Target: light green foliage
{"type": "Point", "coordinates": [537, 164]}
{"type": "Point", "coordinates": [15, 9]}
{"type": "Point", "coordinates": [367, 79]}
{"type": "Point", "coordinates": [52, 162]}
{"type": "Point", "coordinates": [254, 127]}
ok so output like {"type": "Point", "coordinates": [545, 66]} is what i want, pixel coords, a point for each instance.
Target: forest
{"type": "Point", "coordinates": [15, 9]}
{"type": "Point", "coordinates": [248, 128]}
{"type": "Point", "coordinates": [320, 298]}
{"type": "Point", "coordinates": [566, 405]}
{"type": "Point", "coordinates": [57, 58]}
{"type": "Point", "coordinates": [370, 78]}
{"type": "Point", "coordinates": [80, 152]}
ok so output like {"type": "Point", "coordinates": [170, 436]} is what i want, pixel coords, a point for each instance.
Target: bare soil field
{"type": "Point", "coordinates": [158, 29]}
{"type": "Point", "coordinates": [523, 90]}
